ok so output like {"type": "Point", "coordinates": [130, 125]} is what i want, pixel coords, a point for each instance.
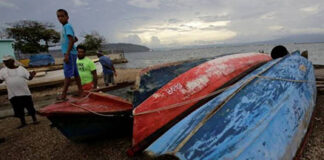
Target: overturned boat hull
{"type": "Point", "coordinates": [96, 115]}
{"type": "Point", "coordinates": [263, 116]}
{"type": "Point", "coordinates": [187, 92]}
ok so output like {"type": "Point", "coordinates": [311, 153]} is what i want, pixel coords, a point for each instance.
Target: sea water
{"type": "Point", "coordinates": [145, 59]}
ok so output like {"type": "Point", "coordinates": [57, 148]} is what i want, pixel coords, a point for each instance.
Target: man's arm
{"type": "Point", "coordinates": [31, 75]}
{"type": "Point", "coordinates": [70, 46]}
{"type": "Point", "coordinates": [1, 80]}
{"type": "Point", "coordinates": [113, 68]}
{"type": "Point", "coordinates": [95, 78]}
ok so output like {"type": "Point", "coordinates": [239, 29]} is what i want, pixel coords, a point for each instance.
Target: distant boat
{"type": "Point", "coordinates": [157, 113]}
{"type": "Point", "coordinates": [263, 116]}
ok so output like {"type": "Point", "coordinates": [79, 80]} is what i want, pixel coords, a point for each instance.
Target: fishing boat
{"type": "Point", "coordinates": [263, 116]}
{"type": "Point", "coordinates": [99, 114]}
{"type": "Point", "coordinates": [187, 92]}
{"type": "Point", "coordinates": [152, 78]}
{"type": "Point", "coordinates": [93, 116]}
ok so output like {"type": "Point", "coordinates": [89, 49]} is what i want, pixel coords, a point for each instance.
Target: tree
{"type": "Point", "coordinates": [32, 36]}
{"type": "Point", "coordinates": [93, 41]}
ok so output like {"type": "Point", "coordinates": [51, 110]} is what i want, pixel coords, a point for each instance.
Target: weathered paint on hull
{"type": "Point", "coordinates": [197, 82]}
{"type": "Point", "coordinates": [96, 102]}
{"type": "Point", "coordinates": [257, 118]}
{"type": "Point", "coordinates": [153, 78]}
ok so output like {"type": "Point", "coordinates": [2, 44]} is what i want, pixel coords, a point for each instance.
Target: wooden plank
{"type": "Point", "coordinates": [320, 85]}
{"type": "Point", "coordinates": [319, 78]}
{"type": "Point", "coordinates": [114, 87]}
{"type": "Point", "coordinates": [318, 66]}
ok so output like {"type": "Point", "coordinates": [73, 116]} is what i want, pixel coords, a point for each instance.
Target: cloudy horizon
{"type": "Point", "coordinates": [170, 23]}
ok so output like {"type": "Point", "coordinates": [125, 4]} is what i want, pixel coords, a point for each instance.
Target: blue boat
{"type": "Point", "coordinates": [263, 116]}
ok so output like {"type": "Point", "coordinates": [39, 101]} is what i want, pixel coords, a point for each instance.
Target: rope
{"type": "Point", "coordinates": [282, 79]}
{"type": "Point", "coordinates": [93, 112]}
{"type": "Point", "coordinates": [176, 105]}
{"type": "Point", "coordinates": [210, 114]}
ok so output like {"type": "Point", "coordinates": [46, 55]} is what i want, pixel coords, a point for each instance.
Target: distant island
{"type": "Point", "coordinates": [126, 47]}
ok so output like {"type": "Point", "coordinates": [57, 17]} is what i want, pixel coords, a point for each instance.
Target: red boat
{"type": "Point", "coordinates": [89, 117]}
{"type": "Point", "coordinates": [187, 92]}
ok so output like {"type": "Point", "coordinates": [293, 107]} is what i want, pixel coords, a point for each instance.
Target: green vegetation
{"type": "Point", "coordinates": [32, 36]}
{"type": "Point", "coordinates": [93, 41]}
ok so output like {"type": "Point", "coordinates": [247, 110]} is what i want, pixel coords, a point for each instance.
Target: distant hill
{"type": "Point", "coordinates": [302, 38]}
{"type": "Point", "coordinates": [127, 47]}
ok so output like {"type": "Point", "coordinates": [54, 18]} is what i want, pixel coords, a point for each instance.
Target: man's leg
{"type": "Point", "coordinates": [18, 106]}
{"type": "Point", "coordinates": [106, 79]}
{"type": "Point", "coordinates": [76, 74]}
{"type": "Point", "coordinates": [68, 73]}
{"type": "Point", "coordinates": [30, 108]}
{"type": "Point", "coordinates": [78, 82]}
{"type": "Point", "coordinates": [67, 82]}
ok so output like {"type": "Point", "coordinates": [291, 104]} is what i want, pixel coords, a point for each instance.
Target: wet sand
{"type": "Point", "coordinates": [43, 142]}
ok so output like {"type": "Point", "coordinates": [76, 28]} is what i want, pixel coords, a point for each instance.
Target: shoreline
{"type": "Point", "coordinates": [43, 142]}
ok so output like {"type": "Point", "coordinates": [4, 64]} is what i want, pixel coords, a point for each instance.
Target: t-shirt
{"type": "Point", "coordinates": [85, 66]}
{"type": "Point", "coordinates": [67, 29]}
{"type": "Point", "coordinates": [105, 61]}
{"type": "Point", "coordinates": [16, 81]}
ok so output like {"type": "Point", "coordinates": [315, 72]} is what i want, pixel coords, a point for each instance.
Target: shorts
{"type": "Point", "coordinates": [70, 68]}
{"type": "Point", "coordinates": [109, 78]}
{"type": "Point", "coordinates": [19, 103]}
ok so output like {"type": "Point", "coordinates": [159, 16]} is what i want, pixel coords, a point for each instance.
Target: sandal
{"type": "Point", "coordinates": [60, 99]}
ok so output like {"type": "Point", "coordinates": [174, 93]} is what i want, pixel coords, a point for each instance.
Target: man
{"type": "Point", "coordinates": [70, 54]}
{"type": "Point", "coordinates": [278, 52]}
{"type": "Point", "coordinates": [19, 94]}
{"type": "Point", "coordinates": [108, 68]}
{"type": "Point", "coordinates": [87, 70]}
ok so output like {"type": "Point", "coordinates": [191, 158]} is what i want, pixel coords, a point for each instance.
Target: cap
{"type": "Point", "coordinates": [7, 57]}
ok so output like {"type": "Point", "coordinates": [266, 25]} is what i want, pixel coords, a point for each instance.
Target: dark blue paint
{"type": "Point", "coordinates": [41, 60]}
{"type": "Point", "coordinates": [89, 127]}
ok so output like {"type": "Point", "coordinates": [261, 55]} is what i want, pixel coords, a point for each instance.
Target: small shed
{"type": "Point", "coordinates": [6, 48]}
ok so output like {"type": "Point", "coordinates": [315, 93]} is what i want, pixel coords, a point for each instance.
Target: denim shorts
{"type": "Point", "coordinates": [70, 68]}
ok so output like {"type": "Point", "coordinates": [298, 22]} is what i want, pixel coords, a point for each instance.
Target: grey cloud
{"type": "Point", "coordinates": [174, 20]}
{"type": "Point", "coordinates": [212, 28]}
{"type": "Point", "coordinates": [133, 39]}
{"type": "Point", "coordinates": [115, 17]}
{"type": "Point", "coordinates": [155, 41]}
{"type": "Point", "coordinates": [214, 18]}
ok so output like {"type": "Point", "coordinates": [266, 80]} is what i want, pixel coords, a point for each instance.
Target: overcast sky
{"type": "Point", "coordinates": [170, 23]}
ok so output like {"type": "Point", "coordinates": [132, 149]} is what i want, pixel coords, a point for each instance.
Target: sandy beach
{"type": "Point", "coordinates": [43, 142]}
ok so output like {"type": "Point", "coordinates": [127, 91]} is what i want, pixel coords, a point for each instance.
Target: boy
{"type": "Point", "coordinates": [108, 68]}
{"type": "Point", "coordinates": [70, 54]}
{"type": "Point", "coordinates": [87, 70]}
{"type": "Point", "coordinates": [18, 92]}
